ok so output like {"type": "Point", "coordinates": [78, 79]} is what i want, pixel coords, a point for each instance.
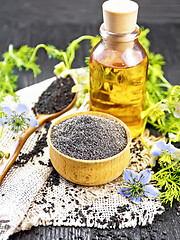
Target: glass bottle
{"type": "Point", "coordinates": [118, 73]}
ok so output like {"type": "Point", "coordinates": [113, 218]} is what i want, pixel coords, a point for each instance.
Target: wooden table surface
{"type": "Point", "coordinates": [58, 22]}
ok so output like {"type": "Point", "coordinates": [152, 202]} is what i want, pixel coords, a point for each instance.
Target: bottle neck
{"type": "Point", "coordinates": [119, 42]}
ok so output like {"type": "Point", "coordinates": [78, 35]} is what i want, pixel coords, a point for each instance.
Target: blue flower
{"type": "Point", "coordinates": [17, 120]}
{"type": "Point", "coordinates": [137, 186]}
{"type": "Point", "coordinates": [165, 153]}
{"type": "Point", "coordinates": [161, 147]}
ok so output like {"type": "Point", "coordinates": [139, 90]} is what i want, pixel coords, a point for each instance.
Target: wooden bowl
{"type": "Point", "coordinates": [90, 172]}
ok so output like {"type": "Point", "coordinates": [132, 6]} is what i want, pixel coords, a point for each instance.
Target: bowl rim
{"type": "Point", "coordinates": [93, 113]}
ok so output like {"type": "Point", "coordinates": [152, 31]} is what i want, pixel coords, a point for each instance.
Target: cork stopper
{"type": "Point", "coordinates": [120, 16]}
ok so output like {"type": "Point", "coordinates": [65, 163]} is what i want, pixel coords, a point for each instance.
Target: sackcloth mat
{"type": "Point", "coordinates": [33, 193]}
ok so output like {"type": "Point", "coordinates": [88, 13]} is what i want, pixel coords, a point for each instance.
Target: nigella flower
{"type": "Point", "coordinates": [17, 120]}
{"type": "Point", "coordinates": [59, 68]}
{"type": "Point", "coordinates": [177, 110]}
{"type": "Point", "coordinates": [3, 152]}
{"type": "Point", "coordinates": [137, 186]}
{"type": "Point", "coordinates": [172, 136]}
{"type": "Point", "coordinates": [165, 152]}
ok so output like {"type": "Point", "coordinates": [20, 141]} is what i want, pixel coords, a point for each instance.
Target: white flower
{"type": "Point", "coordinates": [177, 110]}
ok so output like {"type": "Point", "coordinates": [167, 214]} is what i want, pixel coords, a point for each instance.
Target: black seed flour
{"type": "Point", "coordinates": [89, 137]}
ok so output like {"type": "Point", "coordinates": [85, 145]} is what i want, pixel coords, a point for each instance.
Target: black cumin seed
{"type": "Point", "coordinates": [56, 97]}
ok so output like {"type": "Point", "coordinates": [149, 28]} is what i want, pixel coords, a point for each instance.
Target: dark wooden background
{"type": "Point", "coordinates": [58, 22]}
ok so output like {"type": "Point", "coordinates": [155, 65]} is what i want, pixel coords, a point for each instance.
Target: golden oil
{"type": "Point", "coordinates": [118, 73]}
{"type": "Point", "coordinates": [119, 91]}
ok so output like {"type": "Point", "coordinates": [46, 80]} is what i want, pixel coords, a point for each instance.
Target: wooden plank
{"type": "Point", "coordinates": [158, 2]}
{"type": "Point", "coordinates": [79, 11]}
{"type": "Point", "coordinates": [59, 22]}
{"type": "Point", "coordinates": [165, 226]}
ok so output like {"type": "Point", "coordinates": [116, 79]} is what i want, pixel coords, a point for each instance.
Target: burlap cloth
{"type": "Point", "coordinates": [33, 194]}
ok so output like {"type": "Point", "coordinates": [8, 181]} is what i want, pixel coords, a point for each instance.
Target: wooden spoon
{"type": "Point", "coordinates": [16, 148]}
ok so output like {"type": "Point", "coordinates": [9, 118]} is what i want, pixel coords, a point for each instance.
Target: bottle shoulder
{"type": "Point", "coordinates": [121, 55]}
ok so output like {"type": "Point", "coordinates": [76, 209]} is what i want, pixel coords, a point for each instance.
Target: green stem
{"type": "Point", "coordinates": [1, 132]}
{"type": "Point", "coordinates": [168, 85]}
{"type": "Point", "coordinates": [35, 51]}
{"type": "Point", "coordinates": [173, 91]}
{"type": "Point", "coordinates": [142, 133]}
{"type": "Point", "coordinates": [159, 95]}
{"type": "Point", "coordinates": [46, 47]}
{"type": "Point", "coordinates": [74, 43]}
{"type": "Point", "coordinates": [66, 60]}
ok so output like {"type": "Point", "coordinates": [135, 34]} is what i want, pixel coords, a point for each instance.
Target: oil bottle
{"type": "Point", "coordinates": [118, 66]}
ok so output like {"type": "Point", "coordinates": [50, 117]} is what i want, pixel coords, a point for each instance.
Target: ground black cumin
{"type": "Point", "coordinates": [89, 137]}
{"type": "Point", "coordinates": [56, 97]}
